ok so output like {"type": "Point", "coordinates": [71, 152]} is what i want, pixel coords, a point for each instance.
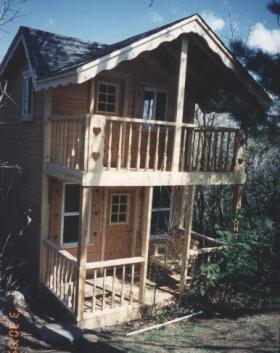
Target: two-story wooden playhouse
{"type": "Point", "coordinates": [102, 130]}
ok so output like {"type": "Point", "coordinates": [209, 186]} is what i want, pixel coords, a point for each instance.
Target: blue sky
{"type": "Point", "coordinates": [112, 20]}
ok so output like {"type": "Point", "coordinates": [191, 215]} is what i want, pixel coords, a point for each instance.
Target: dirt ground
{"type": "Point", "coordinates": [247, 333]}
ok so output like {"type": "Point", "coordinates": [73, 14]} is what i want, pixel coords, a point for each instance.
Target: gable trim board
{"type": "Point", "coordinates": [191, 25]}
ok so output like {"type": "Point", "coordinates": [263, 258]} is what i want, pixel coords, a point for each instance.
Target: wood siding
{"type": "Point", "coordinates": [22, 143]}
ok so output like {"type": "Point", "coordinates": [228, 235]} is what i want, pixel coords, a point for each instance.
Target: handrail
{"type": "Point", "coordinates": [204, 237]}
{"type": "Point", "coordinates": [64, 253]}
{"type": "Point", "coordinates": [116, 262]}
{"type": "Point", "coordinates": [142, 121]}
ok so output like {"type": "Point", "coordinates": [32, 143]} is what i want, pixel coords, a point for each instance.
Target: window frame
{"type": "Point", "coordinates": [107, 83]}
{"type": "Point", "coordinates": [127, 210]}
{"type": "Point", "coordinates": [26, 75]}
{"type": "Point", "coordinates": [69, 214]}
{"type": "Point", "coordinates": [163, 209]}
{"type": "Point", "coordinates": [155, 90]}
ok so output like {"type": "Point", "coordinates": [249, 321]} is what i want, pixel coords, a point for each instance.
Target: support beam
{"type": "Point", "coordinates": [146, 229]}
{"type": "Point", "coordinates": [44, 228]}
{"type": "Point", "coordinates": [188, 234]}
{"type": "Point", "coordinates": [84, 227]}
{"type": "Point", "coordinates": [180, 104]}
{"type": "Point", "coordinates": [236, 205]}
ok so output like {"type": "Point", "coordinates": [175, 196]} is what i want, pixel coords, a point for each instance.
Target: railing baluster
{"type": "Point", "coordinates": [221, 152]}
{"type": "Point", "coordinates": [93, 291]}
{"type": "Point", "coordinates": [147, 158]}
{"type": "Point", "coordinates": [227, 151]}
{"type": "Point", "coordinates": [183, 150]}
{"type": "Point", "coordinates": [165, 149]}
{"type": "Point", "coordinates": [113, 287]}
{"type": "Point", "coordinates": [132, 284]}
{"type": "Point", "coordinates": [214, 151]}
{"type": "Point", "coordinates": [128, 162]}
{"type": "Point", "coordinates": [138, 160]}
{"type": "Point", "coordinates": [123, 283]}
{"type": "Point", "coordinates": [156, 150]}
{"type": "Point", "coordinates": [104, 289]}
{"type": "Point", "coordinates": [110, 145]}
{"type": "Point", "coordinates": [119, 161]}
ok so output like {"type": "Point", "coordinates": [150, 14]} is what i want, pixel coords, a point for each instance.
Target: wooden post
{"type": "Point", "coordinates": [187, 237]}
{"type": "Point", "coordinates": [135, 222]}
{"type": "Point", "coordinates": [44, 228]}
{"type": "Point", "coordinates": [84, 227]}
{"type": "Point", "coordinates": [236, 205]}
{"type": "Point", "coordinates": [146, 227]}
{"type": "Point", "coordinates": [180, 104]}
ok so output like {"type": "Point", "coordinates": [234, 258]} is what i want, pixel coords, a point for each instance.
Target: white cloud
{"type": "Point", "coordinates": [265, 39]}
{"type": "Point", "coordinates": [51, 21]}
{"type": "Point", "coordinates": [215, 22]}
{"type": "Point", "coordinates": [155, 17]}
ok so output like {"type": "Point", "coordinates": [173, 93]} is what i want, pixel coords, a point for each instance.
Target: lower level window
{"type": "Point", "coordinates": [71, 214]}
{"type": "Point", "coordinates": [160, 223]}
{"type": "Point", "coordinates": [119, 208]}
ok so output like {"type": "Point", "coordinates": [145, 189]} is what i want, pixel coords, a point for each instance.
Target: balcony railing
{"type": "Point", "coordinates": [95, 143]}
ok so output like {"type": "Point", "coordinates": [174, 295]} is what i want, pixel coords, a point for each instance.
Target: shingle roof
{"type": "Point", "coordinates": [51, 54]}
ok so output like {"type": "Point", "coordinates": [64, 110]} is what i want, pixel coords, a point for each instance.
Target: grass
{"type": "Point", "coordinates": [255, 333]}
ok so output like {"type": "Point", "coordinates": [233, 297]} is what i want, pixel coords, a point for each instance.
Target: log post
{"type": "Point", "coordinates": [146, 227]}
{"type": "Point", "coordinates": [236, 205]}
{"type": "Point", "coordinates": [84, 227]}
{"type": "Point", "coordinates": [180, 104]}
{"type": "Point", "coordinates": [187, 236]}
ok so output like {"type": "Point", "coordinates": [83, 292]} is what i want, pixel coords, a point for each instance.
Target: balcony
{"type": "Point", "coordinates": [93, 149]}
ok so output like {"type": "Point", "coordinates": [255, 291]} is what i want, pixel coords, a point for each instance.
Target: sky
{"type": "Point", "coordinates": [108, 21]}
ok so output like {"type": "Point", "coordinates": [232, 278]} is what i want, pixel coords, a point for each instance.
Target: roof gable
{"type": "Point", "coordinates": [60, 60]}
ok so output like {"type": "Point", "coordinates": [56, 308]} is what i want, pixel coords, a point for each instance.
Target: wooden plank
{"type": "Point", "coordinates": [180, 104]}
{"type": "Point", "coordinates": [114, 263]}
{"type": "Point", "coordinates": [146, 227]}
{"type": "Point", "coordinates": [236, 205]}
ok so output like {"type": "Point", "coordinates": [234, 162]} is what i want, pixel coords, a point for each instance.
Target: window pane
{"type": "Point", "coordinates": [70, 229]}
{"type": "Point", "coordinates": [161, 106]}
{"type": "Point", "coordinates": [102, 97]}
{"type": "Point", "coordinates": [72, 198]}
{"type": "Point", "coordinates": [148, 105]}
{"type": "Point", "coordinates": [160, 222]}
{"type": "Point", "coordinates": [110, 108]}
{"type": "Point", "coordinates": [161, 197]}
{"type": "Point", "coordinates": [115, 199]}
{"type": "Point", "coordinates": [123, 199]}
{"type": "Point", "coordinates": [122, 217]}
{"type": "Point", "coordinates": [102, 107]}
{"type": "Point", "coordinates": [114, 218]}
{"type": "Point", "coordinates": [123, 208]}
{"type": "Point", "coordinates": [102, 88]}
{"type": "Point", "coordinates": [111, 99]}
{"type": "Point", "coordinates": [115, 208]}
{"type": "Point", "coordinates": [111, 89]}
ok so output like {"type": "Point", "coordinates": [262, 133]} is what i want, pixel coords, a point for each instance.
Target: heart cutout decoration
{"type": "Point", "coordinates": [95, 155]}
{"type": "Point", "coordinates": [96, 130]}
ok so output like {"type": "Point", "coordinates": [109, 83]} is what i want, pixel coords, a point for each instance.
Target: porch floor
{"type": "Point", "coordinates": [154, 295]}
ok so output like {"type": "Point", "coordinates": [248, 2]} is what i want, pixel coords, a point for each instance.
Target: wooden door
{"type": "Point", "coordinates": [119, 230]}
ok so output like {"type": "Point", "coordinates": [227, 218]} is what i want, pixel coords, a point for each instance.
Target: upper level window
{"type": "Point", "coordinates": [70, 214]}
{"type": "Point", "coordinates": [27, 97]}
{"type": "Point", "coordinates": [155, 104]}
{"type": "Point", "coordinates": [119, 208]}
{"type": "Point", "coordinates": [107, 97]}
